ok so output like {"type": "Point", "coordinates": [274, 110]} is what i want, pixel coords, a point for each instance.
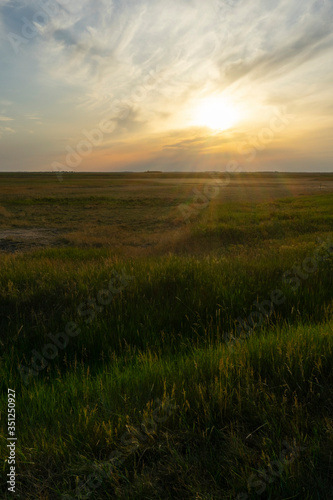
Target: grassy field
{"type": "Point", "coordinates": [168, 343]}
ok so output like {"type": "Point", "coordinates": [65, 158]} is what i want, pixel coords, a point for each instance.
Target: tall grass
{"type": "Point", "coordinates": [163, 340]}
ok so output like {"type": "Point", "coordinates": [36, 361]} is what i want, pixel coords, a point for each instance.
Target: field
{"type": "Point", "coordinates": [168, 336]}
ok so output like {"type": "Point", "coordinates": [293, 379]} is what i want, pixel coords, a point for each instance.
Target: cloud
{"type": "Point", "coordinates": [113, 47]}
{"type": "Point", "coordinates": [4, 130]}
{"type": "Point", "coordinates": [33, 117]}
{"type": "Point", "coordinates": [260, 51]}
{"type": "Point", "coordinates": [156, 60]}
{"type": "Point", "coordinates": [201, 139]}
{"type": "Point", "coordinates": [292, 55]}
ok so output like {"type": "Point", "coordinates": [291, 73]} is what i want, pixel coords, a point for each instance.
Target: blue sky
{"type": "Point", "coordinates": [177, 85]}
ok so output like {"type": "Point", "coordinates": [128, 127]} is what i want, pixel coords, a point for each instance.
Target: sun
{"type": "Point", "coordinates": [216, 113]}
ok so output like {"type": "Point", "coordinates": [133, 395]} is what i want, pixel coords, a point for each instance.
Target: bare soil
{"type": "Point", "coordinates": [12, 240]}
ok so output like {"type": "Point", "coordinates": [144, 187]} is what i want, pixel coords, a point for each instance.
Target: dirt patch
{"type": "Point", "coordinates": [13, 240]}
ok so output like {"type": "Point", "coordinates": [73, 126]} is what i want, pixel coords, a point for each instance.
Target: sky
{"type": "Point", "coordinates": [182, 85]}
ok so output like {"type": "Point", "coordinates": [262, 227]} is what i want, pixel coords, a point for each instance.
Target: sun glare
{"type": "Point", "coordinates": [216, 113]}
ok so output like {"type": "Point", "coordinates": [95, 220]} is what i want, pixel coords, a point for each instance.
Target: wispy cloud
{"type": "Point", "coordinates": [32, 117]}
{"type": "Point", "coordinates": [85, 58]}
{"type": "Point", "coordinates": [3, 102]}
{"type": "Point", "coordinates": [6, 130]}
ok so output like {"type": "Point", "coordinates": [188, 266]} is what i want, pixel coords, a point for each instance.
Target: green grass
{"type": "Point", "coordinates": [178, 335]}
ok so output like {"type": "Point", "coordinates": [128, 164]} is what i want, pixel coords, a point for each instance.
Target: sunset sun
{"type": "Point", "coordinates": [216, 113]}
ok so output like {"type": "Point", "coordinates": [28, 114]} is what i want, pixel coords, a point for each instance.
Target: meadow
{"type": "Point", "coordinates": [165, 342]}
